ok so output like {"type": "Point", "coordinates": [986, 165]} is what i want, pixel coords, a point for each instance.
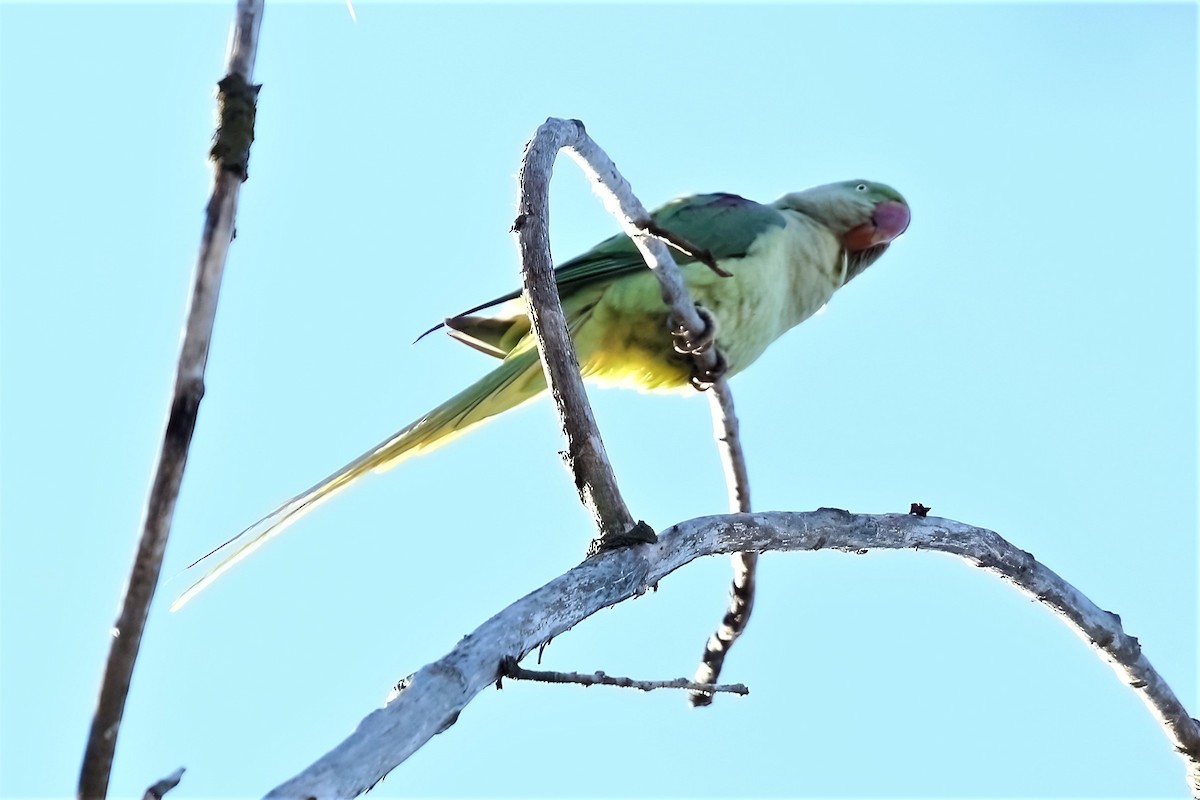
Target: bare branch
{"type": "Point", "coordinates": [434, 696]}
{"type": "Point", "coordinates": [509, 668]}
{"type": "Point", "coordinates": [745, 565]}
{"type": "Point", "coordinates": [617, 196]}
{"type": "Point", "coordinates": [585, 455]}
{"type": "Point", "coordinates": [230, 152]}
{"type": "Point", "coordinates": [729, 446]}
{"type": "Point", "coordinates": [168, 783]}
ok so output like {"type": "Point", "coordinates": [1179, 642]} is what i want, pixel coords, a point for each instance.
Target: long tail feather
{"type": "Point", "coordinates": [518, 379]}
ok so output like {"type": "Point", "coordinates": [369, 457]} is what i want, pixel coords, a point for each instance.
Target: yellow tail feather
{"type": "Point", "coordinates": [515, 381]}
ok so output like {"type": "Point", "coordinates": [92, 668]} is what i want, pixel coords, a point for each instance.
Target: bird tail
{"type": "Point", "coordinates": [517, 380]}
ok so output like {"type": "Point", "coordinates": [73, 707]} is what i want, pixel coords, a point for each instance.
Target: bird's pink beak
{"type": "Point", "coordinates": [889, 220]}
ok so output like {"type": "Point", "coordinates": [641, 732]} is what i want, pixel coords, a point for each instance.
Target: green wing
{"type": "Point", "coordinates": [723, 224]}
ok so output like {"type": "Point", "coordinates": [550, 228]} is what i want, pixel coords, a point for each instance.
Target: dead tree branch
{"type": "Point", "coordinates": [509, 668]}
{"type": "Point", "coordinates": [585, 450]}
{"type": "Point", "coordinates": [230, 154]}
{"type": "Point", "coordinates": [159, 789]}
{"type": "Point", "coordinates": [585, 454]}
{"type": "Point", "coordinates": [617, 195]}
{"type": "Point", "coordinates": [434, 696]}
{"type": "Point", "coordinates": [745, 565]}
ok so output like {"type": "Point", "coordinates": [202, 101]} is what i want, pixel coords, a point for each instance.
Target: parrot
{"type": "Point", "coordinates": [775, 266]}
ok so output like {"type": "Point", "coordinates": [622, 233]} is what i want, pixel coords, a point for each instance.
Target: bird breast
{"type": "Point", "coordinates": [788, 274]}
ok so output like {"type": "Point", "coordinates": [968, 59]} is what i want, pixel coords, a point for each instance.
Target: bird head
{"type": "Point", "coordinates": [864, 215]}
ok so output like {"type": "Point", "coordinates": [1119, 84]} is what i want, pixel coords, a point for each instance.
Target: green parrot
{"type": "Point", "coordinates": [785, 259]}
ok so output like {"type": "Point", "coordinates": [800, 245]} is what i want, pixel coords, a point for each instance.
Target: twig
{"type": "Point", "coordinates": [181, 420]}
{"type": "Point", "coordinates": [509, 668]}
{"type": "Point", "coordinates": [745, 565]}
{"type": "Point", "coordinates": [585, 454]}
{"type": "Point", "coordinates": [684, 246]}
{"type": "Point", "coordinates": [437, 693]}
{"type": "Point", "coordinates": [729, 446]}
{"type": "Point", "coordinates": [168, 783]}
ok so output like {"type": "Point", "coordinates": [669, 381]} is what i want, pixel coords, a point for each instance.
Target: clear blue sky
{"type": "Point", "coordinates": [1023, 359]}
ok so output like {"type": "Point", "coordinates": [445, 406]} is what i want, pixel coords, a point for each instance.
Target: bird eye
{"type": "Point", "coordinates": [862, 187]}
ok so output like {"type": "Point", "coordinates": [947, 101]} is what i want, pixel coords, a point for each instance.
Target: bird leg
{"type": "Point", "coordinates": [651, 228]}
{"type": "Point", "coordinates": [703, 375]}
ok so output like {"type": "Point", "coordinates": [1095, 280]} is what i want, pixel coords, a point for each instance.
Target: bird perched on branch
{"type": "Point", "coordinates": [760, 269]}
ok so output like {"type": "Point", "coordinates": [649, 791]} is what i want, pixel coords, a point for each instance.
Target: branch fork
{"type": "Point", "coordinates": [435, 694]}
{"type": "Point", "coordinates": [692, 327]}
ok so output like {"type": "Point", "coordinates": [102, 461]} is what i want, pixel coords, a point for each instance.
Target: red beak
{"type": "Point", "coordinates": [888, 220]}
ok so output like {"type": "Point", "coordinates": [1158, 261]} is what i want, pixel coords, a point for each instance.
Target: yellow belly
{"type": "Point", "coordinates": [633, 352]}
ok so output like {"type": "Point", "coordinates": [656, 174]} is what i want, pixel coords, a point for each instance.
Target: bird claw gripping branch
{"type": "Point", "coordinates": [702, 377]}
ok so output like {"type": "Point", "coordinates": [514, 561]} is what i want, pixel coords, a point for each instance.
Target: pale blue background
{"type": "Point", "coordinates": [1023, 359]}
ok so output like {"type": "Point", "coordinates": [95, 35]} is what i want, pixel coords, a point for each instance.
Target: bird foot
{"type": "Point", "coordinates": [706, 369]}
{"type": "Point", "coordinates": [703, 378]}
{"type": "Point", "coordinates": [685, 344]}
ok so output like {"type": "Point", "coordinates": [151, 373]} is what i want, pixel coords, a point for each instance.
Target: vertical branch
{"type": "Point", "coordinates": [585, 453]}
{"type": "Point", "coordinates": [729, 446]}
{"type": "Point", "coordinates": [230, 152]}
{"type": "Point", "coordinates": [745, 564]}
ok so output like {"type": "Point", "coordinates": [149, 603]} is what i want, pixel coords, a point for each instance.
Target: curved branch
{"type": "Point", "coordinates": [432, 698]}
{"type": "Point", "coordinates": [585, 450]}
{"type": "Point", "coordinates": [585, 454]}
{"type": "Point", "coordinates": [230, 153]}
{"type": "Point", "coordinates": [617, 195]}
